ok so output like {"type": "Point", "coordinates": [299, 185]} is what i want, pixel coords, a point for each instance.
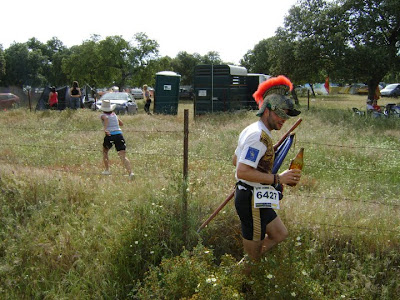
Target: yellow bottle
{"type": "Point", "coordinates": [297, 162]}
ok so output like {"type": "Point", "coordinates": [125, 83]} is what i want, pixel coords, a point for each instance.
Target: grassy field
{"type": "Point", "coordinates": [66, 232]}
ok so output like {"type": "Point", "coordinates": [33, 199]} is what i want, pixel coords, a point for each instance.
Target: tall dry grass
{"type": "Point", "coordinates": [68, 232]}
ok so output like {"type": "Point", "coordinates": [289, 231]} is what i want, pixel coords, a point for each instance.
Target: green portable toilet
{"type": "Point", "coordinates": [166, 93]}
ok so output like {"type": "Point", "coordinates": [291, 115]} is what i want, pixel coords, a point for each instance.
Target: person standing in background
{"type": "Point", "coordinates": [53, 98]}
{"type": "Point", "coordinates": [75, 94]}
{"type": "Point", "coordinates": [147, 99]}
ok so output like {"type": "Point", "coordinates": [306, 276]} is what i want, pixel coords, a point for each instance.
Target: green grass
{"type": "Point", "coordinates": [67, 232]}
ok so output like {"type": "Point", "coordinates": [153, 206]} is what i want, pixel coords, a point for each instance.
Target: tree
{"type": "Point", "coordinates": [147, 74]}
{"type": "Point", "coordinates": [373, 39]}
{"type": "Point", "coordinates": [258, 60]}
{"type": "Point", "coordinates": [211, 58]}
{"type": "Point", "coordinates": [349, 40]}
{"type": "Point", "coordinates": [56, 52]}
{"type": "Point", "coordinates": [114, 54]}
{"type": "Point", "coordinates": [24, 66]}
{"type": "Point", "coordinates": [83, 64]}
{"type": "Point", "coordinates": [184, 64]}
{"type": "Point", "coordinates": [112, 61]}
{"type": "Point", "coordinates": [142, 57]}
{"type": "Point", "coordinates": [302, 49]}
{"type": "Point", "coordinates": [2, 64]}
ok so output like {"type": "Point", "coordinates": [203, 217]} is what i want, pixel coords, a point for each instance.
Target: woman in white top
{"type": "Point", "coordinates": [113, 136]}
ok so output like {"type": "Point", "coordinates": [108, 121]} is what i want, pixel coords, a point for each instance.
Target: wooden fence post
{"type": "Point", "coordinates": [185, 173]}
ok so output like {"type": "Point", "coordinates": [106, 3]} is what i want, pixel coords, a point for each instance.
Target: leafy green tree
{"type": "Point", "coordinates": [311, 44]}
{"type": "Point", "coordinates": [2, 64]}
{"type": "Point", "coordinates": [147, 75]}
{"type": "Point", "coordinates": [24, 65]}
{"type": "Point", "coordinates": [112, 61]}
{"type": "Point", "coordinates": [184, 64]}
{"type": "Point", "coordinates": [373, 39]}
{"type": "Point", "coordinates": [56, 52]}
{"type": "Point", "coordinates": [211, 58]}
{"type": "Point", "coordinates": [114, 53]}
{"type": "Point", "coordinates": [144, 53]}
{"type": "Point", "coordinates": [53, 52]}
{"type": "Point", "coordinates": [82, 64]}
{"type": "Point", "coordinates": [348, 40]}
{"type": "Point", "coordinates": [257, 60]}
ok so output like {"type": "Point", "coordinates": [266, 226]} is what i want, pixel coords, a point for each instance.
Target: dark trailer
{"type": "Point", "coordinates": [253, 80]}
{"type": "Point", "coordinates": [220, 88]}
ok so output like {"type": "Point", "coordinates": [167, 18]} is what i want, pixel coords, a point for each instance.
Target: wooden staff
{"type": "Point", "coordinates": [222, 205]}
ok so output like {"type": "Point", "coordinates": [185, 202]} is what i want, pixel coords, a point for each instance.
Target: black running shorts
{"type": "Point", "coordinates": [254, 220]}
{"type": "Point", "coordinates": [117, 140]}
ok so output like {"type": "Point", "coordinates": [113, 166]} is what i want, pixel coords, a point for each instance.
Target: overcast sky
{"type": "Point", "coordinates": [229, 27]}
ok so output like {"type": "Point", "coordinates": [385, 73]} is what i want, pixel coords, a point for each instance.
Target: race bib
{"type": "Point", "coordinates": [266, 197]}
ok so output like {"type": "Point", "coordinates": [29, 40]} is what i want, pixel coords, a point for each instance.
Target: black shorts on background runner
{"type": "Point", "coordinates": [117, 140]}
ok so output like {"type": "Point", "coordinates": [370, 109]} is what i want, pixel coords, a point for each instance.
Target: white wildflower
{"type": "Point", "coordinates": [211, 279]}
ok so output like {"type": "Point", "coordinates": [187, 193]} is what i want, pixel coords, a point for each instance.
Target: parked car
{"type": "Point", "coordinates": [8, 100]}
{"type": "Point", "coordinates": [137, 93]}
{"type": "Point", "coordinates": [125, 103]}
{"type": "Point", "coordinates": [391, 90]}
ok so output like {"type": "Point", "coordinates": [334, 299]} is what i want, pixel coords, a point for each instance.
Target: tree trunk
{"type": "Point", "coordinates": [294, 95]}
{"type": "Point", "coordinates": [312, 89]}
{"type": "Point", "coordinates": [372, 87]}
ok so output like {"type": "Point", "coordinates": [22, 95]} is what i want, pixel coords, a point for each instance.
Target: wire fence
{"type": "Point", "coordinates": [195, 156]}
{"type": "Point", "coordinates": [208, 157]}
{"type": "Point", "coordinates": [192, 154]}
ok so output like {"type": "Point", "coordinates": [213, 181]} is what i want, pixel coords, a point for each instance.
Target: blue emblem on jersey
{"type": "Point", "coordinates": [252, 154]}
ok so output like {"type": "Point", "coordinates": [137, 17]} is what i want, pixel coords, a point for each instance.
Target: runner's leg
{"type": "Point", "coordinates": [125, 162]}
{"type": "Point", "coordinates": [276, 233]}
{"type": "Point", "coordinates": [105, 159]}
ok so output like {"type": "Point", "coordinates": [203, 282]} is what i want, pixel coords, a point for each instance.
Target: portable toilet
{"type": "Point", "coordinates": [166, 93]}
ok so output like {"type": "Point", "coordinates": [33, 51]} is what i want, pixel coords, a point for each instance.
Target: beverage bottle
{"type": "Point", "coordinates": [297, 162]}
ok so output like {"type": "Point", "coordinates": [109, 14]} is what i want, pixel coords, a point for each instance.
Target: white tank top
{"type": "Point", "coordinates": [113, 124]}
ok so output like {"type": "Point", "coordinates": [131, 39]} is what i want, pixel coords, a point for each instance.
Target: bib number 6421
{"type": "Point", "coordinates": [266, 197]}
